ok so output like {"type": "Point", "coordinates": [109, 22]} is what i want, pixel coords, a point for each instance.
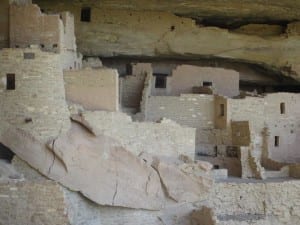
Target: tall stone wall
{"type": "Point", "coordinates": [54, 33]}
{"type": "Point", "coordinates": [37, 104]}
{"type": "Point", "coordinates": [94, 89]}
{"type": "Point", "coordinates": [28, 26]}
{"type": "Point", "coordinates": [281, 121]}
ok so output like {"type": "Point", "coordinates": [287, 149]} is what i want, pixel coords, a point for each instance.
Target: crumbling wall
{"type": "Point", "coordinates": [28, 26]}
{"type": "Point", "coordinates": [185, 77]}
{"type": "Point", "coordinates": [36, 102]}
{"type": "Point", "coordinates": [54, 33]}
{"type": "Point", "coordinates": [189, 109]}
{"type": "Point", "coordinates": [132, 86]}
{"type": "Point", "coordinates": [278, 113]}
{"type": "Point", "coordinates": [94, 89]}
{"type": "Point", "coordinates": [268, 201]}
{"type": "Point", "coordinates": [71, 60]}
{"type": "Point", "coordinates": [165, 138]}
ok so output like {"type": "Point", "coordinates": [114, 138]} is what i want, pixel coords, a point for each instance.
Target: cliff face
{"type": "Point", "coordinates": [249, 31]}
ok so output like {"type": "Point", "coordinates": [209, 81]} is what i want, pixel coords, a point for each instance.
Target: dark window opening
{"type": "Point", "coordinates": [160, 80]}
{"type": "Point", "coordinates": [42, 46]}
{"type": "Point", "coordinates": [216, 167]}
{"type": "Point", "coordinates": [222, 110]}
{"type": "Point", "coordinates": [232, 152]}
{"type": "Point", "coordinates": [282, 108]}
{"type": "Point", "coordinates": [207, 84]}
{"type": "Point", "coordinates": [10, 81]}
{"type": "Point", "coordinates": [128, 69]}
{"type": "Point", "coordinates": [172, 28]}
{"type": "Point", "coordinates": [55, 45]}
{"type": "Point", "coordinates": [6, 153]}
{"type": "Point", "coordinates": [276, 144]}
{"type": "Point", "coordinates": [29, 55]}
{"type": "Point", "coordinates": [17, 46]}
{"type": "Point", "coordinates": [86, 14]}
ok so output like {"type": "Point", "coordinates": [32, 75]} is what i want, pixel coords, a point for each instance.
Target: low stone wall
{"type": "Point", "coordinates": [165, 138]}
{"type": "Point", "coordinates": [192, 110]}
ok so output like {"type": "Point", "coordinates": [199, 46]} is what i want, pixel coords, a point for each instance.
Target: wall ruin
{"type": "Point", "coordinates": [94, 89]}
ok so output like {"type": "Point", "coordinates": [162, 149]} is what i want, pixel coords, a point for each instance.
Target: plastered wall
{"type": "Point", "coordinates": [38, 102]}
{"type": "Point", "coordinates": [94, 89]}
{"type": "Point", "coordinates": [29, 26]}
{"type": "Point", "coordinates": [182, 80]}
{"type": "Point", "coordinates": [54, 33]}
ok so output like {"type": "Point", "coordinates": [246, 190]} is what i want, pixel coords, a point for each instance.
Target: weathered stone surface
{"type": "Point", "coordinates": [119, 32]}
{"type": "Point", "coordinates": [8, 172]}
{"type": "Point", "coordinates": [96, 166]}
{"type": "Point", "coordinates": [107, 173]}
{"type": "Point", "coordinates": [255, 10]}
{"type": "Point", "coordinates": [180, 185]}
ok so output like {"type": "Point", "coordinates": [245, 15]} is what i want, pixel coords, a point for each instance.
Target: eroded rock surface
{"type": "Point", "coordinates": [107, 173]}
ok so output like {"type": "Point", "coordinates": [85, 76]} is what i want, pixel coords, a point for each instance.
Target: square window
{"type": "Point", "coordinates": [86, 14]}
{"type": "Point", "coordinates": [29, 55]}
{"type": "Point", "coordinates": [160, 81]}
{"type": "Point", "coordinates": [10, 81]}
{"type": "Point", "coordinates": [207, 84]}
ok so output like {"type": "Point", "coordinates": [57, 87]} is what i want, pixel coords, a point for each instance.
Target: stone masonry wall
{"type": "Point", "coordinates": [224, 82]}
{"type": "Point", "coordinates": [132, 86]}
{"type": "Point", "coordinates": [32, 203]}
{"type": "Point", "coordinates": [266, 113]}
{"type": "Point", "coordinates": [188, 110]}
{"type": "Point", "coordinates": [278, 202]}
{"type": "Point", "coordinates": [94, 89]}
{"type": "Point", "coordinates": [28, 26]}
{"type": "Point", "coordinates": [38, 102]}
{"type": "Point", "coordinates": [165, 138]}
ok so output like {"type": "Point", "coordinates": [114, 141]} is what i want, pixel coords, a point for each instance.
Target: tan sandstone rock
{"type": "Point", "coordinates": [96, 166]}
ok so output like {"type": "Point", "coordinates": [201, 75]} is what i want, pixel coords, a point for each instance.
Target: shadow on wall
{"type": "Point", "coordinates": [6, 153]}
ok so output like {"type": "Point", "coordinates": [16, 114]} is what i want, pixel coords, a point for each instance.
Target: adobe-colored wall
{"type": "Point", "coordinates": [94, 89]}
{"type": "Point", "coordinates": [224, 82]}
{"type": "Point", "coordinates": [29, 26]}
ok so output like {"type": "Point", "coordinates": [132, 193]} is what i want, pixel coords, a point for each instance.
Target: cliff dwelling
{"type": "Point", "coordinates": [144, 112]}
